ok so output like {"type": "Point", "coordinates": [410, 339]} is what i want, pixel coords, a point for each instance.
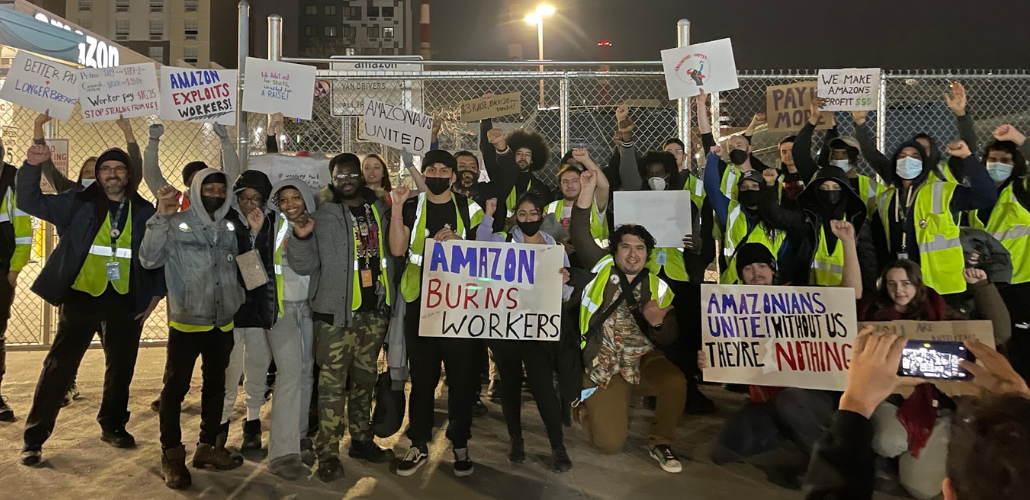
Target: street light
{"type": "Point", "coordinates": [537, 18]}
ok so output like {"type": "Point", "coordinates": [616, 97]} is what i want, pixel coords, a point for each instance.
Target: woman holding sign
{"type": "Point", "coordinates": [916, 430]}
{"type": "Point", "coordinates": [536, 355]}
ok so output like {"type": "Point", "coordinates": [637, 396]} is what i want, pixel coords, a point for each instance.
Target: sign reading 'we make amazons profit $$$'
{"type": "Point", "coordinates": [492, 291]}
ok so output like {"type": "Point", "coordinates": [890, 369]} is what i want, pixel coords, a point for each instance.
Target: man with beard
{"type": "Point", "coordinates": [442, 215]}
{"type": "Point", "coordinates": [95, 278]}
{"type": "Point", "coordinates": [511, 162]}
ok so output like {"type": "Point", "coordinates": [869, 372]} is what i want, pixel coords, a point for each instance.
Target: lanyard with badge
{"type": "Point", "coordinates": [114, 272]}
{"type": "Point", "coordinates": [902, 216]}
{"type": "Point", "coordinates": [366, 235]}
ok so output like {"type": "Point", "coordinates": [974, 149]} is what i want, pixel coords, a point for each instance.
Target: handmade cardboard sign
{"type": "Point", "coordinates": [480, 109]}
{"type": "Point", "coordinates": [704, 67]}
{"type": "Point", "coordinates": [787, 108]}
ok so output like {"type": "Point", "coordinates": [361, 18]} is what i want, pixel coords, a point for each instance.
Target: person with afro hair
{"type": "Point", "coordinates": [511, 162]}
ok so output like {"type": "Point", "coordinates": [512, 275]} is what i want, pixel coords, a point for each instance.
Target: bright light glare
{"type": "Point", "coordinates": [545, 10]}
{"type": "Point", "coordinates": [534, 19]}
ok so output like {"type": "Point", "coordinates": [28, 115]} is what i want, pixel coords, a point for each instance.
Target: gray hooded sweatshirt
{"type": "Point", "coordinates": [199, 257]}
{"type": "Point", "coordinates": [295, 286]}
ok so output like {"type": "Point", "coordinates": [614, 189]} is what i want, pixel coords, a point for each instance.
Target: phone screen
{"type": "Point", "coordinates": [934, 360]}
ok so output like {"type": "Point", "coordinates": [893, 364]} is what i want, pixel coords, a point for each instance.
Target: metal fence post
{"type": "Point", "coordinates": [563, 105]}
{"type": "Point", "coordinates": [47, 313]}
{"type": "Point", "coordinates": [243, 50]}
{"type": "Point", "coordinates": [683, 34]}
{"type": "Point", "coordinates": [881, 115]}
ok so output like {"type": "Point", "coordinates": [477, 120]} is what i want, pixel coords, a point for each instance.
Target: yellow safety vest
{"type": "Point", "coordinates": [356, 301]}
{"type": "Point", "coordinates": [598, 224]}
{"type": "Point", "coordinates": [22, 223]}
{"type": "Point", "coordinates": [411, 280]}
{"type": "Point", "coordinates": [512, 198]}
{"type": "Point", "coordinates": [593, 294]}
{"type": "Point", "coordinates": [937, 235]}
{"type": "Point", "coordinates": [675, 269]}
{"type": "Point", "coordinates": [1009, 224]}
{"type": "Point", "coordinates": [280, 240]}
{"type": "Point", "coordinates": [728, 184]}
{"type": "Point", "coordinates": [92, 278]}
{"type": "Point", "coordinates": [696, 186]}
{"type": "Point", "coordinates": [736, 231]}
{"type": "Point", "coordinates": [942, 172]}
{"type": "Point", "coordinates": [870, 189]}
{"type": "Point", "coordinates": [827, 268]}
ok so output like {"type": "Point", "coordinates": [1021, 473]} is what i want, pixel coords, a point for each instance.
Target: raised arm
{"type": "Point", "coordinates": [980, 191]}
{"type": "Point", "coordinates": [802, 148]}
{"type": "Point", "coordinates": [603, 187]}
{"type": "Point", "coordinates": [303, 245]}
{"type": "Point", "coordinates": [132, 148]}
{"type": "Point", "coordinates": [57, 208]}
{"type": "Point", "coordinates": [56, 178]}
{"type": "Point", "coordinates": [720, 202]}
{"type": "Point", "coordinates": [153, 251]}
{"type": "Point", "coordinates": [485, 230]}
{"type": "Point", "coordinates": [275, 129]}
{"type": "Point", "coordinates": [880, 163]}
{"type": "Point", "coordinates": [852, 277]}
{"type": "Point", "coordinates": [230, 160]}
{"type": "Point", "coordinates": [774, 213]}
{"type": "Point", "coordinates": [399, 233]}
{"type": "Point", "coordinates": [579, 226]}
{"type": "Point", "coordinates": [151, 167]}
{"type": "Point", "coordinates": [989, 303]}
{"type": "Point", "coordinates": [409, 160]}
{"type": "Point", "coordinates": [957, 102]}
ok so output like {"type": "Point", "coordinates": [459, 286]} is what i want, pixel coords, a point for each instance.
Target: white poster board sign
{"type": "Point", "coordinates": [704, 67]}
{"type": "Point", "coordinates": [41, 84]}
{"type": "Point", "coordinates": [129, 91]}
{"type": "Point", "coordinates": [198, 95]}
{"type": "Point", "coordinates": [778, 336]}
{"type": "Point", "coordinates": [313, 171]}
{"type": "Point", "coordinates": [396, 127]}
{"type": "Point", "coordinates": [492, 291]}
{"type": "Point", "coordinates": [665, 214]}
{"type": "Point", "coordinates": [58, 155]}
{"type": "Point", "coordinates": [849, 89]}
{"type": "Point", "coordinates": [276, 87]}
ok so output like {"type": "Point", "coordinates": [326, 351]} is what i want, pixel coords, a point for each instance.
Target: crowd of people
{"type": "Point", "coordinates": [312, 288]}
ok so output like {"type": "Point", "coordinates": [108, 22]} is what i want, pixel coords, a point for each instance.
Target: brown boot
{"type": "Point", "coordinates": [173, 468]}
{"type": "Point", "coordinates": [219, 458]}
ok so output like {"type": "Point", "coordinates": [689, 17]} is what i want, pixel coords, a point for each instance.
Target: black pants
{"type": "Point", "coordinates": [510, 355]}
{"type": "Point", "coordinates": [1016, 298]}
{"type": "Point", "coordinates": [213, 347]}
{"type": "Point", "coordinates": [78, 321]}
{"type": "Point", "coordinates": [6, 298]}
{"type": "Point", "coordinates": [424, 357]}
{"type": "Point", "coordinates": [687, 303]}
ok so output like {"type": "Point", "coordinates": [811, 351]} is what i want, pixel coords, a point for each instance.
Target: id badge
{"type": "Point", "coordinates": [366, 278]}
{"type": "Point", "coordinates": [661, 258]}
{"type": "Point", "coordinates": [902, 255]}
{"type": "Point", "coordinates": [114, 272]}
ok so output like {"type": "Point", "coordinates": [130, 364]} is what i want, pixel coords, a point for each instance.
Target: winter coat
{"type": "Point", "coordinates": [260, 308]}
{"type": "Point", "coordinates": [199, 253]}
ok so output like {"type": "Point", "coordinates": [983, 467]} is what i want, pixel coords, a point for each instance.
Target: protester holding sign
{"type": "Point", "coordinates": [917, 429]}
{"type": "Point", "coordinates": [155, 179]}
{"type": "Point", "coordinates": [512, 162]}
{"type": "Point", "coordinates": [441, 215]}
{"type": "Point", "coordinates": [342, 246]}
{"type": "Point", "coordinates": [740, 156]}
{"type": "Point", "coordinates": [61, 183]}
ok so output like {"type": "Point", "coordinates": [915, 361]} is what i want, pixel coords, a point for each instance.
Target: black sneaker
{"type": "Point", "coordinates": [517, 452]}
{"type": "Point", "coordinates": [666, 458]}
{"type": "Point", "coordinates": [369, 452]}
{"type": "Point", "coordinates": [6, 413]}
{"type": "Point", "coordinates": [330, 469]}
{"type": "Point", "coordinates": [562, 463]}
{"type": "Point", "coordinates": [118, 438]}
{"type": "Point", "coordinates": [251, 447]}
{"type": "Point", "coordinates": [416, 456]}
{"type": "Point", "coordinates": [156, 405]}
{"type": "Point", "coordinates": [479, 409]}
{"type": "Point", "coordinates": [697, 402]}
{"type": "Point", "coordinates": [71, 395]}
{"type": "Point", "coordinates": [31, 458]}
{"type": "Point", "coordinates": [307, 452]}
{"type": "Point", "coordinates": [463, 465]}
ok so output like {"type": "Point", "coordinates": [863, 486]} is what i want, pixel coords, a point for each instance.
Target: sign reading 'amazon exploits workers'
{"type": "Point", "coordinates": [492, 291]}
{"type": "Point", "coordinates": [198, 95]}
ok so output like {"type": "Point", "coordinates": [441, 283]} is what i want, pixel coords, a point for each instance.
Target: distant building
{"type": "Point", "coordinates": [354, 27]}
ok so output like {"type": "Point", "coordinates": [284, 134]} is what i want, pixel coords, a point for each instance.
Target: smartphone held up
{"type": "Point", "coordinates": [935, 360]}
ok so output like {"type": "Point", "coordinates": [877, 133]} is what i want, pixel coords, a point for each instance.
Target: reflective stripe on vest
{"type": "Point", "coordinates": [674, 267]}
{"type": "Point", "coordinates": [869, 189]}
{"type": "Point", "coordinates": [736, 229]}
{"type": "Point", "coordinates": [411, 280]}
{"type": "Point", "coordinates": [383, 278]}
{"type": "Point", "coordinates": [1009, 223]}
{"type": "Point", "coordinates": [280, 240]}
{"type": "Point", "coordinates": [598, 224]}
{"type": "Point", "coordinates": [827, 268]}
{"type": "Point", "coordinates": [513, 197]}
{"type": "Point", "coordinates": [92, 277]}
{"type": "Point", "coordinates": [593, 294]}
{"type": "Point", "coordinates": [729, 181]}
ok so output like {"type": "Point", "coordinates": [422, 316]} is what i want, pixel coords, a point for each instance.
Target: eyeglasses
{"type": "Point", "coordinates": [251, 199]}
{"type": "Point", "coordinates": [120, 169]}
{"type": "Point", "coordinates": [341, 177]}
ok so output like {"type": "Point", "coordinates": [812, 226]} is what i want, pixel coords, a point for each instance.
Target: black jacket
{"type": "Point", "coordinates": [842, 466]}
{"type": "Point", "coordinates": [76, 216]}
{"type": "Point", "coordinates": [261, 307]}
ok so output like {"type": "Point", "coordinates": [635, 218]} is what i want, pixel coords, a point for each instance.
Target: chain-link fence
{"type": "Point", "coordinates": [568, 107]}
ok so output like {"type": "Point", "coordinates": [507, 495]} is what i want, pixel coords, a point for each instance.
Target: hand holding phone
{"type": "Point", "coordinates": [938, 360]}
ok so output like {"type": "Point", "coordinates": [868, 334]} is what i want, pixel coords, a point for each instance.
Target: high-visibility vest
{"type": "Point", "coordinates": [411, 280]}
{"type": "Point", "coordinates": [728, 183]}
{"type": "Point", "coordinates": [513, 198]}
{"type": "Point", "coordinates": [696, 187]}
{"type": "Point", "coordinates": [22, 223]}
{"type": "Point", "coordinates": [383, 279]}
{"type": "Point", "coordinates": [736, 231]}
{"type": "Point", "coordinates": [92, 278]}
{"type": "Point", "coordinates": [593, 294]}
{"type": "Point", "coordinates": [598, 224]}
{"type": "Point", "coordinates": [674, 267]}
{"type": "Point", "coordinates": [937, 235]}
{"type": "Point", "coordinates": [870, 189]}
{"type": "Point", "coordinates": [943, 173]}
{"type": "Point", "coordinates": [1010, 224]}
{"type": "Point", "coordinates": [827, 267]}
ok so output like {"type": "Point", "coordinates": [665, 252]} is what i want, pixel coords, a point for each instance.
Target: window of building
{"type": "Point", "coordinates": [309, 30]}
{"type": "Point", "coordinates": [157, 29]}
{"type": "Point", "coordinates": [85, 5]}
{"type": "Point", "coordinates": [387, 11]}
{"type": "Point", "coordinates": [192, 28]}
{"type": "Point", "coordinates": [121, 5]}
{"type": "Point", "coordinates": [373, 31]}
{"type": "Point", "coordinates": [157, 6]}
{"type": "Point", "coordinates": [350, 31]}
{"type": "Point", "coordinates": [191, 54]}
{"type": "Point", "coordinates": [388, 32]}
{"type": "Point", "coordinates": [330, 10]}
{"type": "Point", "coordinates": [373, 12]}
{"type": "Point", "coordinates": [192, 5]}
{"type": "Point", "coordinates": [311, 10]}
{"type": "Point", "coordinates": [86, 24]}
{"type": "Point", "coordinates": [352, 13]}
{"type": "Point", "coordinates": [121, 29]}
{"type": "Point", "coordinates": [330, 31]}
{"type": "Point", "coordinates": [156, 53]}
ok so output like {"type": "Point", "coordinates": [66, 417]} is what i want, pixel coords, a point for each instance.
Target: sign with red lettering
{"type": "Point", "coordinates": [41, 85]}
{"type": "Point", "coordinates": [492, 291]}
{"type": "Point", "coordinates": [703, 67]}
{"type": "Point", "coordinates": [787, 107]}
{"type": "Point", "coordinates": [778, 336]}
{"type": "Point", "coordinates": [129, 91]}
{"type": "Point", "coordinates": [59, 155]}
{"type": "Point", "coordinates": [198, 95]}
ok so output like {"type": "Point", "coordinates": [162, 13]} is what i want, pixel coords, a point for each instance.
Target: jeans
{"type": "Point", "coordinates": [214, 347]}
{"type": "Point", "coordinates": [511, 355]}
{"type": "Point", "coordinates": [250, 357]}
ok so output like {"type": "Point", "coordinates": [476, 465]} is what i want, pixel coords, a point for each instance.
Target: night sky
{"type": "Point", "coordinates": [919, 34]}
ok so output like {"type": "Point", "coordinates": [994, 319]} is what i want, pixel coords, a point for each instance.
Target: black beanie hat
{"type": "Point", "coordinates": [190, 169]}
{"type": "Point", "coordinates": [114, 154]}
{"type": "Point", "coordinates": [439, 156]}
{"type": "Point", "coordinates": [216, 178]}
{"type": "Point", "coordinates": [754, 253]}
{"type": "Point", "coordinates": [253, 179]}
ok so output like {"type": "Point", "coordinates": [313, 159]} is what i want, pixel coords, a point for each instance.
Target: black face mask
{"type": "Point", "coordinates": [748, 198]}
{"type": "Point", "coordinates": [829, 199]}
{"type": "Point", "coordinates": [467, 179]}
{"type": "Point", "coordinates": [738, 156]}
{"type": "Point", "coordinates": [438, 185]}
{"type": "Point", "coordinates": [530, 228]}
{"type": "Point", "coordinates": [212, 203]}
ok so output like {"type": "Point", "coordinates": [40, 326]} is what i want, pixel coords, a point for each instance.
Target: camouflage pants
{"type": "Point", "coordinates": [346, 358]}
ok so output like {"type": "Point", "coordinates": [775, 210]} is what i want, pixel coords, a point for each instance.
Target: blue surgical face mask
{"type": "Point", "coordinates": [844, 165]}
{"type": "Point", "coordinates": [998, 171]}
{"type": "Point", "coordinates": [87, 182]}
{"type": "Point", "coordinates": [909, 168]}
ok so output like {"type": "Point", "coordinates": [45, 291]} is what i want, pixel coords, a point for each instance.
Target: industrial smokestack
{"type": "Point", "coordinates": [425, 30]}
